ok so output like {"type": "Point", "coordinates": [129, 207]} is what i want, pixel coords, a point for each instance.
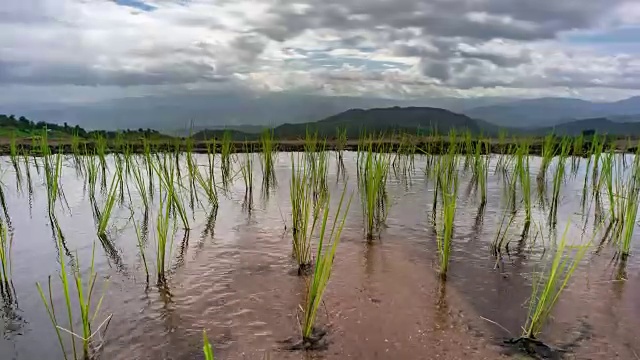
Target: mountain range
{"type": "Point", "coordinates": [178, 114]}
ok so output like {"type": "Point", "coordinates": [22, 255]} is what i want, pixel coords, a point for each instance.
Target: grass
{"type": "Point", "coordinates": [324, 262]}
{"type": "Point", "coordinates": [164, 238]}
{"type": "Point", "coordinates": [247, 172]}
{"type": "Point", "coordinates": [549, 284]}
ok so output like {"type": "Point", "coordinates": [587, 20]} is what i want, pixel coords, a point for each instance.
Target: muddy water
{"type": "Point", "coordinates": [231, 275]}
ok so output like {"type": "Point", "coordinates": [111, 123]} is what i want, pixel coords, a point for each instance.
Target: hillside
{"type": "Point", "coordinates": [600, 125]}
{"type": "Point", "coordinates": [395, 119]}
{"type": "Point", "coordinates": [547, 112]}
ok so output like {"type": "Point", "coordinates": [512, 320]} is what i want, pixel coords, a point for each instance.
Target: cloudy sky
{"type": "Point", "coordinates": [63, 51]}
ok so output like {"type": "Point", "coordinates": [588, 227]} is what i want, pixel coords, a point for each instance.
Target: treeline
{"type": "Point", "coordinates": [25, 125]}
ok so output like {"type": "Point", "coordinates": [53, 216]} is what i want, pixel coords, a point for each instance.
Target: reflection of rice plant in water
{"type": "Point", "coordinates": [373, 170]}
{"type": "Point", "coordinates": [549, 284]}
{"type": "Point", "coordinates": [84, 299]}
{"type": "Point", "coordinates": [327, 246]}
{"type": "Point", "coordinates": [305, 212]}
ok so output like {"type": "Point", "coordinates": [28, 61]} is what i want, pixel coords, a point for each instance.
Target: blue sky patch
{"type": "Point", "coordinates": [138, 4]}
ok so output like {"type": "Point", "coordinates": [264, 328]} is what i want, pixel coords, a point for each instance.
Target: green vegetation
{"type": "Point", "coordinates": [324, 262]}
{"type": "Point", "coordinates": [373, 169]}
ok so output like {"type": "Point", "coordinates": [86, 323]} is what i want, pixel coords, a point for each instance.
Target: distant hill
{"type": "Point", "coordinates": [545, 112]}
{"type": "Point", "coordinates": [387, 120]}
{"type": "Point", "coordinates": [600, 125]}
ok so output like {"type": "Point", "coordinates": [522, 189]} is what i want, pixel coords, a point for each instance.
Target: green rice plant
{"type": "Point", "coordinates": [549, 284]}
{"type": "Point", "coordinates": [206, 348]}
{"type": "Point", "coordinates": [628, 199]}
{"type": "Point", "coordinates": [108, 206]}
{"type": "Point", "coordinates": [247, 171]}
{"type": "Point", "coordinates": [206, 183]}
{"type": "Point", "coordinates": [522, 172]}
{"type": "Point", "coordinates": [305, 212]}
{"type": "Point", "coordinates": [267, 158]}
{"type": "Point", "coordinates": [448, 181]}
{"type": "Point", "coordinates": [140, 237]}
{"type": "Point", "coordinates": [226, 149]}
{"type": "Point", "coordinates": [166, 170]}
{"type": "Point", "coordinates": [84, 299]}
{"type": "Point", "coordinates": [558, 180]}
{"type": "Point", "coordinates": [13, 155]}
{"type": "Point", "coordinates": [607, 175]}
{"type": "Point", "coordinates": [324, 262]}
{"type": "Point", "coordinates": [373, 169]}
{"type": "Point", "coordinates": [549, 149]}
{"type": "Point", "coordinates": [6, 243]}
{"type": "Point", "coordinates": [341, 143]}
{"type": "Point", "coordinates": [164, 237]}
{"type": "Point", "coordinates": [139, 182]}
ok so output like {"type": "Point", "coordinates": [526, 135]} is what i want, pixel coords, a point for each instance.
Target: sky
{"type": "Point", "coordinates": [82, 51]}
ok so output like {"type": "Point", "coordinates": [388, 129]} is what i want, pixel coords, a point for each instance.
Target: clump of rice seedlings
{"type": "Point", "coordinates": [267, 158]}
{"type": "Point", "coordinates": [140, 184]}
{"type": "Point", "coordinates": [607, 175]}
{"type": "Point", "coordinates": [13, 154]}
{"type": "Point", "coordinates": [522, 172]}
{"type": "Point", "coordinates": [328, 241]}
{"type": "Point", "coordinates": [105, 214]}
{"type": "Point", "coordinates": [206, 348]}
{"type": "Point", "coordinates": [247, 175]}
{"type": "Point", "coordinates": [548, 285]}
{"type": "Point", "coordinates": [52, 172]}
{"type": "Point", "coordinates": [226, 149]}
{"type": "Point", "coordinates": [373, 170]}
{"type": "Point", "coordinates": [206, 183]}
{"type": "Point", "coordinates": [195, 175]}
{"type": "Point", "coordinates": [166, 170]}
{"type": "Point", "coordinates": [6, 243]}
{"type": "Point", "coordinates": [447, 174]}
{"type": "Point", "coordinates": [481, 170]}
{"type": "Point", "coordinates": [558, 180]}
{"type": "Point", "coordinates": [140, 235]}
{"type": "Point", "coordinates": [549, 149]}
{"type": "Point", "coordinates": [628, 199]}
{"type": "Point", "coordinates": [165, 235]}
{"type": "Point", "coordinates": [87, 335]}
{"type": "Point", "coordinates": [305, 211]}
{"type": "Point", "coordinates": [341, 144]}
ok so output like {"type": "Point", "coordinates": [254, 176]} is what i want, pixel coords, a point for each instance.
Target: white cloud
{"type": "Point", "coordinates": [393, 48]}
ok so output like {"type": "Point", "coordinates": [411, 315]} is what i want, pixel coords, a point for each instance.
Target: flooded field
{"type": "Point", "coordinates": [233, 275]}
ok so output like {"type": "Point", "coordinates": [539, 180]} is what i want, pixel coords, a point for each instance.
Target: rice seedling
{"type": "Point", "coordinates": [628, 199]}
{"type": "Point", "coordinates": [324, 263]}
{"type": "Point", "coordinates": [522, 172]}
{"type": "Point", "coordinates": [373, 169]}
{"type": "Point", "coordinates": [558, 179]}
{"type": "Point", "coordinates": [6, 243]}
{"type": "Point", "coordinates": [549, 149]}
{"type": "Point", "coordinates": [206, 348]}
{"type": "Point", "coordinates": [13, 155]}
{"type": "Point", "coordinates": [166, 170]}
{"type": "Point", "coordinates": [267, 158]}
{"type": "Point", "coordinates": [549, 284]}
{"type": "Point", "coordinates": [447, 181]}
{"type": "Point", "coordinates": [140, 184]}
{"type": "Point", "coordinates": [247, 171]}
{"type": "Point", "coordinates": [226, 149]}
{"type": "Point", "coordinates": [305, 212]}
{"type": "Point", "coordinates": [164, 237]}
{"type": "Point", "coordinates": [141, 241]}
{"type": "Point", "coordinates": [105, 214]}
{"type": "Point", "coordinates": [206, 183]}
{"type": "Point", "coordinates": [84, 299]}
{"type": "Point", "coordinates": [341, 144]}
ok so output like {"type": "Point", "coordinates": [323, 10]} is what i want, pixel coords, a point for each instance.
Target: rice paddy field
{"type": "Point", "coordinates": [369, 254]}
